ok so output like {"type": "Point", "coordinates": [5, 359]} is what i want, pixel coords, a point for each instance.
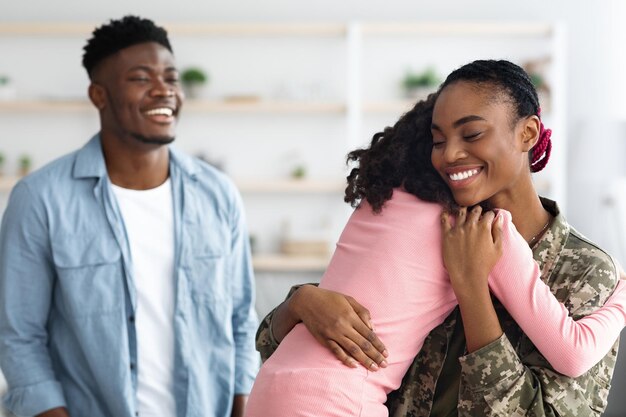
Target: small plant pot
{"type": "Point", "coordinates": [7, 92]}
{"type": "Point", "coordinates": [195, 91]}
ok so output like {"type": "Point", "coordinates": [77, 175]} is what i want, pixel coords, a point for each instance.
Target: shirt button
{"type": "Point", "coordinates": [131, 319]}
{"type": "Point", "coordinates": [132, 366]}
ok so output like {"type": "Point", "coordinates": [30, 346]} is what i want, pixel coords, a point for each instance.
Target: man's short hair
{"type": "Point", "coordinates": [119, 34]}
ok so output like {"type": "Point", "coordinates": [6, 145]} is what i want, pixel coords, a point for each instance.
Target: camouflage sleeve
{"type": "Point", "coordinates": [266, 343]}
{"type": "Point", "coordinates": [496, 382]}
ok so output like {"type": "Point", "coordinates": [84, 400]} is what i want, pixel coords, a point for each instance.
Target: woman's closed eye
{"type": "Point", "coordinates": [472, 136]}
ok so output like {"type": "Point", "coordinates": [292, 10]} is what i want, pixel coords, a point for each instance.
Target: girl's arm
{"type": "Point", "coordinates": [572, 347]}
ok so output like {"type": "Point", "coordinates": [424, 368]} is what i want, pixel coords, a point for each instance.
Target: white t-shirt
{"type": "Point", "coordinates": [149, 219]}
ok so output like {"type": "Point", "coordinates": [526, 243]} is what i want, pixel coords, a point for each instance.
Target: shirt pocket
{"type": "Point", "coordinates": [207, 263]}
{"type": "Point", "coordinates": [90, 276]}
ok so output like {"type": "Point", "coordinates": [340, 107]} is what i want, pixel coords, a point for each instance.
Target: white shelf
{"type": "Point", "coordinates": [459, 29]}
{"type": "Point", "coordinates": [289, 263]}
{"type": "Point", "coordinates": [290, 186]}
{"type": "Point", "coordinates": [296, 29]}
{"type": "Point", "coordinates": [250, 186]}
{"type": "Point", "coordinates": [260, 106]}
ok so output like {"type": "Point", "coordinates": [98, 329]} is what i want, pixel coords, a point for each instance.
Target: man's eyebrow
{"type": "Point", "coordinates": [150, 69]}
{"type": "Point", "coordinates": [461, 121]}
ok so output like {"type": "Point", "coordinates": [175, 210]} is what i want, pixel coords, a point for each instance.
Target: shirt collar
{"type": "Point", "coordinates": [90, 161]}
{"type": "Point", "coordinates": [549, 247]}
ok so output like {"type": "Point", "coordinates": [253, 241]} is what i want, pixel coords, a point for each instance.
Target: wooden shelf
{"type": "Point", "coordinates": [289, 263]}
{"type": "Point", "coordinates": [261, 106]}
{"type": "Point", "coordinates": [213, 29]}
{"type": "Point", "coordinates": [290, 186]}
{"type": "Point", "coordinates": [265, 106]}
{"type": "Point", "coordinates": [296, 29]}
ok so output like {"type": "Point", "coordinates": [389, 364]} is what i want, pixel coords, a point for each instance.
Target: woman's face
{"type": "Point", "coordinates": [478, 149]}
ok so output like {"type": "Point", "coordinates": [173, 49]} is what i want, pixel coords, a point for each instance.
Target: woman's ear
{"type": "Point", "coordinates": [97, 95]}
{"type": "Point", "coordinates": [530, 129]}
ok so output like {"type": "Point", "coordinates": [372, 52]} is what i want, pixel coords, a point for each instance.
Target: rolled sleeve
{"type": "Point", "coordinates": [35, 399]}
{"type": "Point", "coordinates": [26, 280]}
{"type": "Point", "coordinates": [244, 318]}
{"type": "Point", "coordinates": [486, 368]}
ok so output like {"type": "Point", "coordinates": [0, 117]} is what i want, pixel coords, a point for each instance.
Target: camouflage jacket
{"type": "Point", "coordinates": [510, 377]}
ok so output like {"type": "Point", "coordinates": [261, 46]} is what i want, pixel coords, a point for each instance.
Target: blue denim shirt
{"type": "Point", "coordinates": [67, 299]}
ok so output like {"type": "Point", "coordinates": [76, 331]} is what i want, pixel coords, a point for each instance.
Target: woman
{"type": "Point", "coordinates": [484, 125]}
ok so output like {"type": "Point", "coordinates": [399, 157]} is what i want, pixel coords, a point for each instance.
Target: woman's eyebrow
{"type": "Point", "coordinates": [461, 121]}
{"type": "Point", "coordinates": [467, 119]}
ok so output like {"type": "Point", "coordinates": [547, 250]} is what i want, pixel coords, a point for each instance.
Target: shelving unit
{"type": "Point", "coordinates": [362, 63]}
{"type": "Point", "coordinates": [289, 263]}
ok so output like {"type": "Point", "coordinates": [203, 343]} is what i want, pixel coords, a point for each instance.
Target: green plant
{"type": "Point", "coordinates": [194, 76]}
{"type": "Point", "coordinates": [426, 78]}
{"type": "Point", "coordinates": [25, 163]}
{"type": "Point", "coordinates": [298, 172]}
{"type": "Point", "coordinates": [537, 80]}
{"type": "Point", "coordinates": [4, 80]}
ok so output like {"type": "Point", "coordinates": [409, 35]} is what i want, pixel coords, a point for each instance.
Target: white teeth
{"type": "Point", "coordinates": [458, 176]}
{"type": "Point", "coordinates": [163, 110]}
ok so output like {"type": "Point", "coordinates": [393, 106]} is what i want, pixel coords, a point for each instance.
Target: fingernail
{"type": "Point", "coordinates": [352, 363]}
{"type": "Point", "coordinates": [374, 367]}
{"type": "Point", "coordinates": [383, 364]}
{"type": "Point", "coordinates": [385, 353]}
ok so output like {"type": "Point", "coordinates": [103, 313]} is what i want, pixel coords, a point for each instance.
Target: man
{"type": "Point", "coordinates": [125, 276]}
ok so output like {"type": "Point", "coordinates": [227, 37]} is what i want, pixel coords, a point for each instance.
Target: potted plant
{"type": "Point", "coordinates": [2, 159]}
{"type": "Point", "coordinates": [25, 163]}
{"type": "Point", "coordinates": [194, 79]}
{"type": "Point", "coordinates": [419, 85]}
{"type": "Point", "coordinates": [7, 91]}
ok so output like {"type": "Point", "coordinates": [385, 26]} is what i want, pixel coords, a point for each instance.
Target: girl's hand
{"type": "Point", "coordinates": [471, 248]}
{"type": "Point", "coordinates": [341, 324]}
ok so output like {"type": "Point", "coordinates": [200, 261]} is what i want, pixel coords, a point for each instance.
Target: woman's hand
{"type": "Point", "coordinates": [471, 248]}
{"type": "Point", "coordinates": [341, 324]}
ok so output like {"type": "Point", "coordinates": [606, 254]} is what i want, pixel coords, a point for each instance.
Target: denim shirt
{"type": "Point", "coordinates": [67, 298]}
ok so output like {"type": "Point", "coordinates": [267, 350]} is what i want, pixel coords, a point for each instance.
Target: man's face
{"type": "Point", "coordinates": [140, 94]}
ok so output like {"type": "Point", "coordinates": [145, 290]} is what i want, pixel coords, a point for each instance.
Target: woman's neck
{"type": "Point", "coordinates": [529, 216]}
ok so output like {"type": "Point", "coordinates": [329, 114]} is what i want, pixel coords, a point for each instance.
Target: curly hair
{"type": "Point", "coordinates": [399, 156]}
{"type": "Point", "coordinates": [119, 34]}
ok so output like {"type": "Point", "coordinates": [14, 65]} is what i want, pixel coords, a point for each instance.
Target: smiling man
{"type": "Point", "coordinates": [126, 285]}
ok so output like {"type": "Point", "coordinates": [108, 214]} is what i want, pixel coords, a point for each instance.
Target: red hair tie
{"type": "Point", "coordinates": [543, 147]}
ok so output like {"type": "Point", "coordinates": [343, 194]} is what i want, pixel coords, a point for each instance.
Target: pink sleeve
{"type": "Point", "coordinates": [571, 347]}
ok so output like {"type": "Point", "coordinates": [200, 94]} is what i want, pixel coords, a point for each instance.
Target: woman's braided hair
{"type": "Point", "coordinates": [512, 80]}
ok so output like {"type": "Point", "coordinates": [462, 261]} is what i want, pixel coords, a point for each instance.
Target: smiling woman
{"type": "Point", "coordinates": [470, 147]}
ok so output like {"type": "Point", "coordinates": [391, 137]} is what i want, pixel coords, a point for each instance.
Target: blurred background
{"type": "Point", "coordinates": [279, 91]}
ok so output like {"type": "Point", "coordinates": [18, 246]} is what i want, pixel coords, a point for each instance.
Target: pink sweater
{"type": "Point", "coordinates": [392, 264]}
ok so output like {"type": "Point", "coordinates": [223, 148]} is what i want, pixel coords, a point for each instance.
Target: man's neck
{"type": "Point", "coordinates": [135, 167]}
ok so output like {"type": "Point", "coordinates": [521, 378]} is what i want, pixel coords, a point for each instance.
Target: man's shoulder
{"type": "Point", "coordinates": [53, 175]}
{"type": "Point", "coordinates": [209, 178]}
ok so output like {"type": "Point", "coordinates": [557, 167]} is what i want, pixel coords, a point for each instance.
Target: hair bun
{"type": "Point", "coordinates": [541, 150]}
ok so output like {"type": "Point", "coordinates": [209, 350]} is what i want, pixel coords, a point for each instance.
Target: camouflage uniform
{"type": "Point", "coordinates": [509, 377]}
